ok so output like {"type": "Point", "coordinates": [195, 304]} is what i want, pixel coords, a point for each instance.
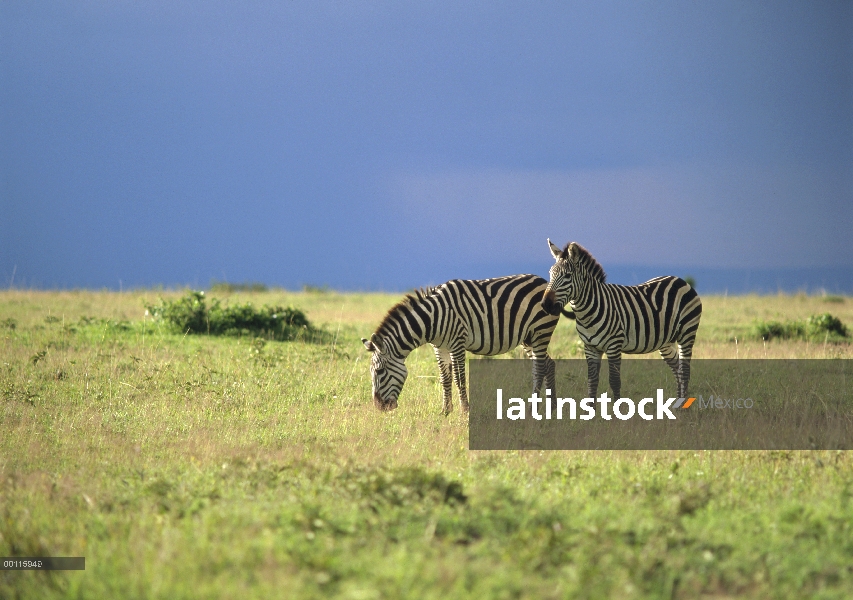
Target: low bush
{"type": "Point", "coordinates": [826, 323]}
{"type": "Point", "coordinates": [823, 326]}
{"type": "Point", "coordinates": [192, 314]}
{"type": "Point", "coordinates": [769, 330]}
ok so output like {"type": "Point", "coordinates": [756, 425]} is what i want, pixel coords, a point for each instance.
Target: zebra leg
{"type": "Point", "coordinates": [670, 357]}
{"type": "Point", "coordinates": [457, 359]}
{"type": "Point", "coordinates": [550, 382]}
{"type": "Point", "coordinates": [538, 363]}
{"type": "Point", "coordinates": [614, 364]}
{"type": "Point", "coordinates": [685, 353]}
{"type": "Point", "coordinates": [543, 370]}
{"type": "Point", "coordinates": [593, 366]}
{"type": "Point", "coordinates": [445, 370]}
{"type": "Point", "coordinates": [550, 375]}
{"type": "Point", "coordinates": [536, 347]}
{"type": "Point", "coordinates": [691, 314]}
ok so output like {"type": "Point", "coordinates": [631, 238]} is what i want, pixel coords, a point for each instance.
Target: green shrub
{"type": "Point", "coordinates": [191, 314]}
{"type": "Point", "coordinates": [826, 323]}
{"type": "Point", "coordinates": [769, 330]}
{"type": "Point", "coordinates": [815, 327]}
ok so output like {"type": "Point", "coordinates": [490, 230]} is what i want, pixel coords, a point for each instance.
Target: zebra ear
{"type": "Point", "coordinates": [374, 344]}
{"type": "Point", "coordinates": [572, 251]}
{"type": "Point", "coordinates": [555, 250]}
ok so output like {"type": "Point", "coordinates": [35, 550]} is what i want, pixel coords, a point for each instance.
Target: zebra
{"type": "Point", "coordinates": [656, 315]}
{"type": "Point", "coordinates": [485, 316]}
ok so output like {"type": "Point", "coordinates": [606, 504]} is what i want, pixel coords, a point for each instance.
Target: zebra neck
{"type": "Point", "coordinates": [412, 329]}
{"type": "Point", "coordinates": [403, 348]}
{"type": "Point", "coordinates": [585, 301]}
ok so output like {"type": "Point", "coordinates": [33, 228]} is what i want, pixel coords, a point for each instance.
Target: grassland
{"type": "Point", "coordinates": [205, 467]}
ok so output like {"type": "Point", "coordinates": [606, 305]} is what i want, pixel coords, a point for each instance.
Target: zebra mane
{"type": "Point", "coordinates": [408, 300]}
{"type": "Point", "coordinates": [586, 260]}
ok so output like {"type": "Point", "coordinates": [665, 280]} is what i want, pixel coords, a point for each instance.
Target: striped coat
{"type": "Point", "coordinates": [486, 317]}
{"type": "Point", "coordinates": [661, 314]}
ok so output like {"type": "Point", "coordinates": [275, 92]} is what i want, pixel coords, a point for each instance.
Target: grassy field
{"type": "Point", "coordinates": [203, 467]}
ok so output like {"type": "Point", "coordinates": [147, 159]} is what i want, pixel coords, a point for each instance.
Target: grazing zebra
{"type": "Point", "coordinates": [612, 319]}
{"type": "Point", "coordinates": [486, 316]}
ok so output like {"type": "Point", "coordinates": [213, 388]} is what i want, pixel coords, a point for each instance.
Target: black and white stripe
{"type": "Point", "coordinates": [661, 314]}
{"type": "Point", "coordinates": [487, 317]}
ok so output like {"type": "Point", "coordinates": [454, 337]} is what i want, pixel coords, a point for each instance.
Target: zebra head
{"type": "Point", "coordinates": [561, 283]}
{"type": "Point", "coordinates": [387, 371]}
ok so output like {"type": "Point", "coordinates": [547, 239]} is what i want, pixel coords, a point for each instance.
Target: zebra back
{"type": "Point", "coordinates": [494, 315]}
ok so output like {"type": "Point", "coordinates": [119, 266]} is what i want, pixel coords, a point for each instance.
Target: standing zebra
{"type": "Point", "coordinates": [612, 319]}
{"type": "Point", "coordinates": [486, 316]}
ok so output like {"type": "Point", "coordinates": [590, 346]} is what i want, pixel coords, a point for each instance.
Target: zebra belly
{"type": "Point", "coordinates": [631, 343]}
{"type": "Point", "coordinates": [635, 343]}
{"type": "Point", "coordinates": [475, 349]}
{"type": "Point", "coordinates": [492, 352]}
{"type": "Point", "coordinates": [647, 349]}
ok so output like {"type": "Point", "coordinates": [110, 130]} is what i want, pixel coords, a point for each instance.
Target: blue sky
{"type": "Point", "coordinates": [390, 145]}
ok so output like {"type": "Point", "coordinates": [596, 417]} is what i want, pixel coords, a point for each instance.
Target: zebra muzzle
{"type": "Point", "coordinates": [549, 303]}
{"type": "Point", "coordinates": [383, 405]}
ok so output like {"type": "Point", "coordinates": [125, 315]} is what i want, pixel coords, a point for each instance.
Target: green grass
{"type": "Point", "coordinates": [193, 466]}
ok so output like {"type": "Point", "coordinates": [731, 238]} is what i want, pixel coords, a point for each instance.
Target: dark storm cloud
{"type": "Point", "coordinates": [371, 144]}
